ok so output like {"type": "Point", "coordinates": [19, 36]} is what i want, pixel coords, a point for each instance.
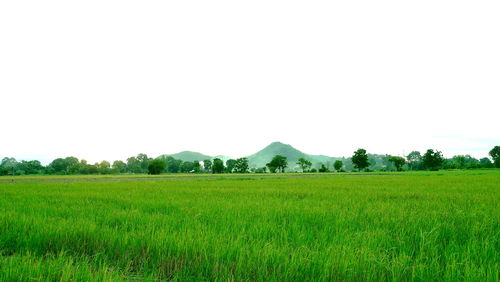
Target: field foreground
{"type": "Point", "coordinates": [374, 227]}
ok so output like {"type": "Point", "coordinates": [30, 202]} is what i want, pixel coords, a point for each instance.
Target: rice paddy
{"type": "Point", "coordinates": [323, 227]}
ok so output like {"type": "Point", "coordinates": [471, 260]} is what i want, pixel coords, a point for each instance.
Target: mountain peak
{"type": "Point", "coordinates": [189, 156]}
{"type": "Point", "coordinates": [262, 157]}
{"type": "Point", "coordinates": [278, 144]}
{"type": "Point", "coordinates": [276, 148]}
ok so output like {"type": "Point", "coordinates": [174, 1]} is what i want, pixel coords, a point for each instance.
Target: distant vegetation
{"type": "Point", "coordinates": [277, 157]}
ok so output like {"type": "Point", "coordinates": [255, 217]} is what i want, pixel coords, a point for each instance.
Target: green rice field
{"type": "Point", "coordinates": [439, 226]}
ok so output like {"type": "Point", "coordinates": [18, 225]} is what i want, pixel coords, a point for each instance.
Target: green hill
{"type": "Point", "coordinates": [262, 157]}
{"type": "Point", "coordinates": [188, 156]}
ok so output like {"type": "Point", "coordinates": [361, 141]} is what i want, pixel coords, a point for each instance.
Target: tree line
{"type": "Point", "coordinates": [142, 164]}
{"type": "Point", "coordinates": [430, 160]}
{"type": "Point", "coordinates": [139, 164]}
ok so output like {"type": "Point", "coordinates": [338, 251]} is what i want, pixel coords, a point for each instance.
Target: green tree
{"type": "Point", "coordinates": [457, 162]}
{"type": "Point", "coordinates": [143, 161]}
{"type": "Point", "coordinates": [119, 167]}
{"type": "Point", "coordinates": [217, 166]}
{"type": "Point", "coordinates": [414, 160]}
{"type": "Point", "coordinates": [196, 167]}
{"type": "Point", "coordinates": [187, 167]}
{"type": "Point", "coordinates": [277, 164]}
{"type": "Point", "coordinates": [93, 169]}
{"type": "Point", "coordinates": [372, 163]}
{"type": "Point", "coordinates": [432, 160]}
{"type": "Point", "coordinates": [72, 165]}
{"type": "Point", "coordinates": [385, 163]}
{"type": "Point", "coordinates": [134, 165]}
{"type": "Point", "coordinates": [323, 168]}
{"type": "Point", "coordinates": [104, 167]}
{"type": "Point", "coordinates": [261, 170]}
{"type": "Point", "coordinates": [486, 163]}
{"type": "Point", "coordinates": [462, 162]}
{"type": "Point", "coordinates": [495, 155]}
{"type": "Point", "coordinates": [241, 165]}
{"type": "Point", "coordinates": [471, 162]}
{"type": "Point", "coordinates": [360, 159]}
{"type": "Point", "coordinates": [156, 166]}
{"type": "Point", "coordinates": [338, 165]}
{"type": "Point", "coordinates": [304, 164]}
{"type": "Point", "coordinates": [173, 165]}
{"type": "Point", "coordinates": [29, 167]}
{"type": "Point", "coordinates": [230, 164]}
{"type": "Point", "coordinates": [398, 162]}
{"type": "Point", "coordinates": [83, 167]}
{"type": "Point", "coordinates": [207, 165]}
{"type": "Point", "coordinates": [59, 166]}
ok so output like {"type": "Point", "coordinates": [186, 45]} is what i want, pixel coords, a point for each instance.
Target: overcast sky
{"type": "Point", "coordinates": [110, 79]}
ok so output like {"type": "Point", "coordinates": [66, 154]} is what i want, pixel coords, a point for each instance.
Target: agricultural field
{"type": "Point", "coordinates": [423, 226]}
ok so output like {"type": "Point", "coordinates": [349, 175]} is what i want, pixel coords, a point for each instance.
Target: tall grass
{"type": "Point", "coordinates": [396, 227]}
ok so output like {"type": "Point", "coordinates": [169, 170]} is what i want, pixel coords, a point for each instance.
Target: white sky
{"type": "Point", "coordinates": [110, 79]}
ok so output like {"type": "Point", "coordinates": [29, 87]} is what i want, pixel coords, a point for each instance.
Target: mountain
{"type": "Point", "coordinates": [188, 156]}
{"type": "Point", "coordinates": [262, 157]}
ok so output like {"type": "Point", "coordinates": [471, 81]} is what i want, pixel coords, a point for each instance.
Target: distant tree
{"type": "Point", "coordinates": [207, 165]}
{"type": "Point", "coordinates": [104, 167]}
{"type": "Point", "coordinates": [432, 160]}
{"type": "Point", "coordinates": [28, 167]}
{"type": "Point", "coordinates": [304, 164]}
{"type": "Point", "coordinates": [360, 159]}
{"type": "Point", "coordinates": [187, 167]}
{"type": "Point", "coordinates": [134, 165]}
{"type": "Point", "coordinates": [217, 166]}
{"type": "Point", "coordinates": [323, 168]}
{"type": "Point", "coordinates": [59, 166]}
{"type": "Point", "coordinates": [241, 165]}
{"type": "Point", "coordinates": [486, 163]}
{"type": "Point", "coordinates": [156, 166]}
{"type": "Point", "coordinates": [385, 163]}
{"type": "Point", "coordinates": [35, 167]}
{"type": "Point", "coordinates": [277, 164]}
{"type": "Point", "coordinates": [272, 169]}
{"type": "Point", "coordinates": [72, 165]}
{"type": "Point", "coordinates": [261, 170]}
{"type": "Point", "coordinates": [3, 171]}
{"type": "Point", "coordinates": [414, 160]}
{"type": "Point", "coordinates": [457, 162]}
{"type": "Point", "coordinates": [348, 165]}
{"type": "Point", "coordinates": [462, 162]}
{"type": "Point", "coordinates": [471, 162]}
{"type": "Point", "coordinates": [338, 165]}
{"type": "Point", "coordinates": [372, 163]}
{"type": "Point", "coordinates": [398, 162]}
{"type": "Point", "coordinates": [144, 162]}
{"type": "Point", "coordinates": [83, 167]}
{"type": "Point", "coordinates": [93, 169]}
{"type": "Point", "coordinates": [119, 167]}
{"type": "Point", "coordinates": [196, 167]}
{"type": "Point", "coordinates": [173, 165]}
{"type": "Point", "coordinates": [495, 155]}
{"type": "Point", "coordinates": [230, 164]}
